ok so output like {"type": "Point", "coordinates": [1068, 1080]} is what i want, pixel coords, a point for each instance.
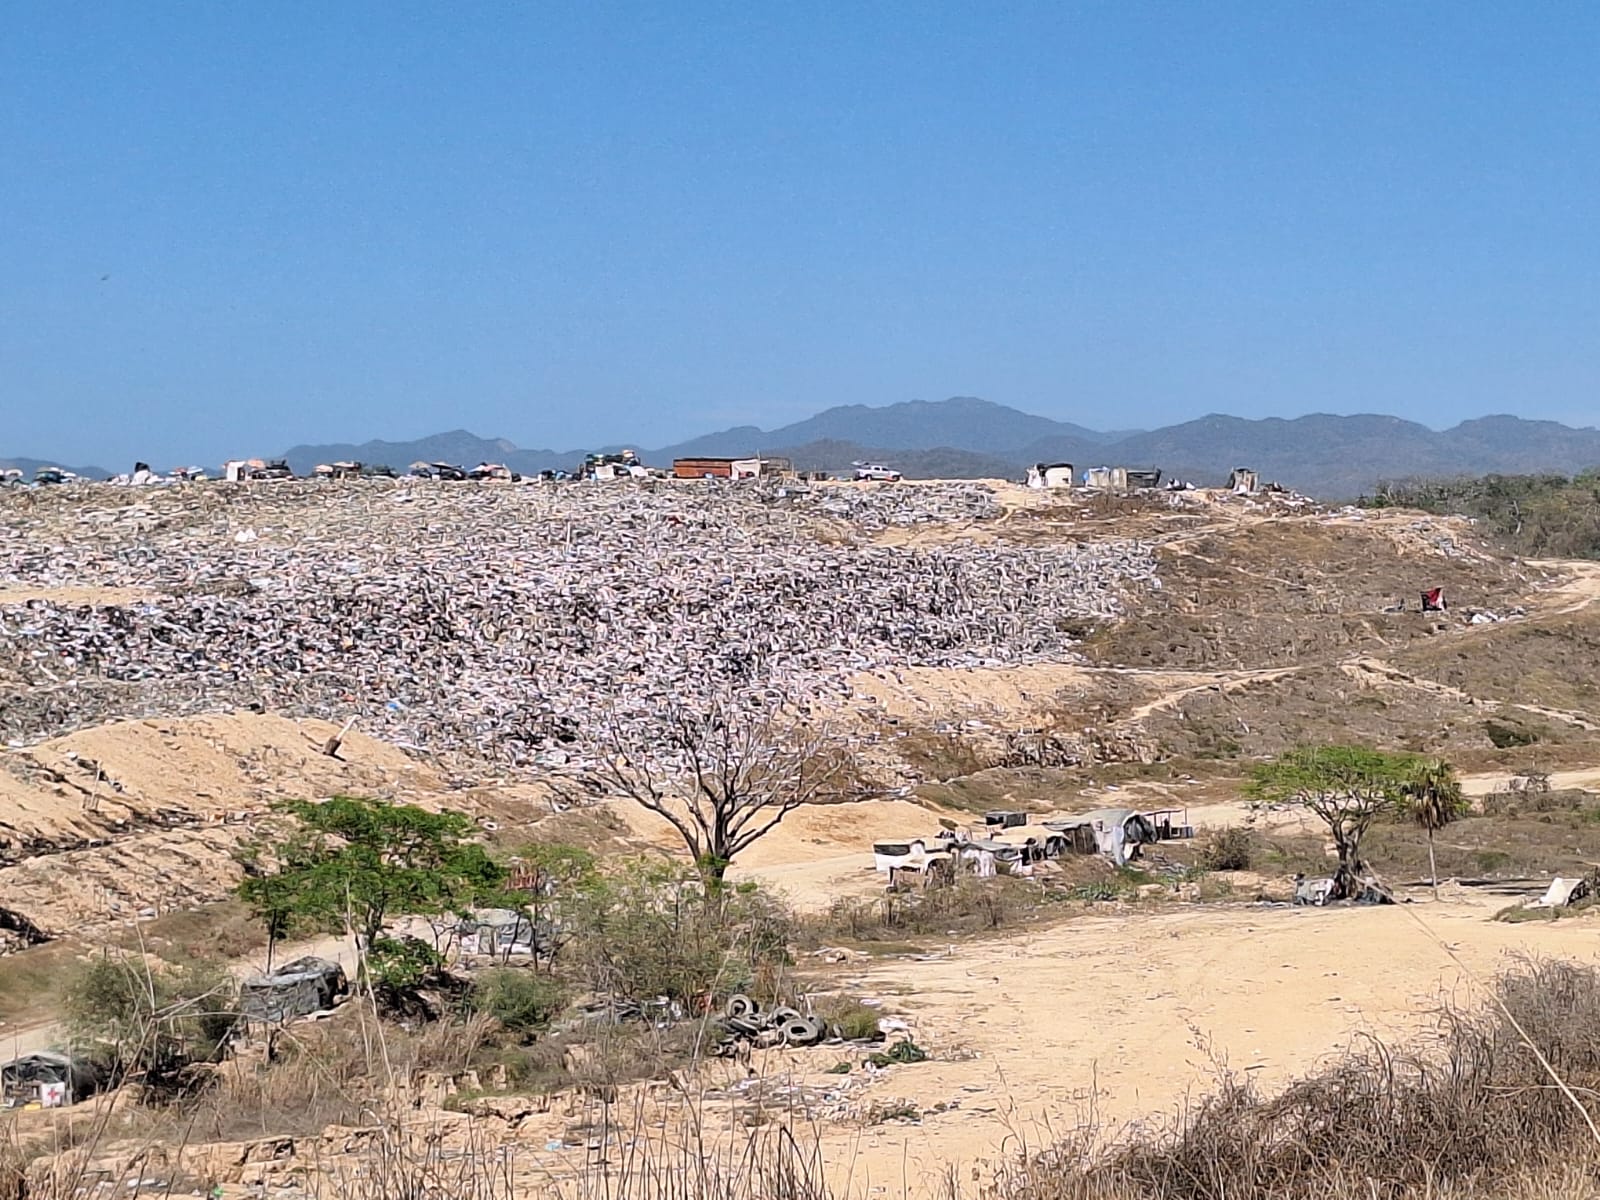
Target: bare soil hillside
{"type": "Point", "coordinates": [1270, 624]}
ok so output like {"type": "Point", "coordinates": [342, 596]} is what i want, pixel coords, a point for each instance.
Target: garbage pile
{"type": "Point", "coordinates": [743, 1023]}
{"type": "Point", "coordinates": [512, 624]}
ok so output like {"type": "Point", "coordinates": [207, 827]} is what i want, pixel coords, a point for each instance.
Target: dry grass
{"type": "Point", "coordinates": [1563, 841]}
{"type": "Point", "coordinates": [968, 905]}
{"type": "Point", "coordinates": [941, 755]}
{"type": "Point", "coordinates": [1470, 1113]}
{"type": "Point", "coordinates": [1289, 593]}
{"type": "Point", "coordinates": [222, 930]}
{"type": "Point", "coordinates": [1473, 1114]}
{"type": "Point", "coordinates": [30, 981]}
{"type": "Point", "coordinates": [1554, 662]}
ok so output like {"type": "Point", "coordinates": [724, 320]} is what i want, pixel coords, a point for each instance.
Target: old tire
{"type": "Point", "coordinates": [740, 1006]}
{"type": "Point", "coordinates": [796, 1032]}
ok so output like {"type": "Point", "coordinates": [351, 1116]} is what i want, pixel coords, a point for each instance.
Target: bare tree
{"type": "Point", "coordinates": [726, 775]}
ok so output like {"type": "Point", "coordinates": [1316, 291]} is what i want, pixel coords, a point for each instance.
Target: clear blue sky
{"type": "Point", "coordinates": [230, 227]}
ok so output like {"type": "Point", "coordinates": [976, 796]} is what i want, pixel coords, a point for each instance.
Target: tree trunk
{"type": "Point", "coordinates": [1433, 870]}
{"type": "Point", "coordinates": [712, 868]}
{"type": "Point", "coordinates": [1344, 879]}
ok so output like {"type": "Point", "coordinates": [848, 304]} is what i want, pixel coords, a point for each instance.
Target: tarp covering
{"type": "Point", "coordinates": [1563, 892]}
{"type": "Point", "coordinates": [296, 989]}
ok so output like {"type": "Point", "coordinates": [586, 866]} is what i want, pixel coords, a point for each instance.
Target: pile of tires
{"type": "Point", "coordinates": [743, 1021]}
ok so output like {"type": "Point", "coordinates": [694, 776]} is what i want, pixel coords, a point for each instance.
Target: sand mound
{"type": "Point", "coordinates": [827, 830]}
{"type": "Point", "coordinates": [933, 692]}
{"type": "Point", "coordinates": [81, 891]}
{"type": "Point", "coordinates": [96, 782]}
{"type": "Point", "coordinates": [104, 823]}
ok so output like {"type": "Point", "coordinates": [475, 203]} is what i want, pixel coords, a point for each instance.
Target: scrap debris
{"type": "Point", "coordinates": [509, 623]}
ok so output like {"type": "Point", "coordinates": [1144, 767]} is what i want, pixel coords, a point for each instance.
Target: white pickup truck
{"type": "Point", "coordinates": [876, 471]}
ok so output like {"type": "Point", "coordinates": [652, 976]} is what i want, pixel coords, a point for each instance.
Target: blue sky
{"type": "Point", "coordinates": [230, 227]}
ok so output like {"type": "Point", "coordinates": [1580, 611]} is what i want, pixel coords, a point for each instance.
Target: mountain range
{"type": "Point", "coordinates": [1331, 457]}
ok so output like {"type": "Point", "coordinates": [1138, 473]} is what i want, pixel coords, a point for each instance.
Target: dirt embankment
{"type": "Point", "coordinates": [137, 817]}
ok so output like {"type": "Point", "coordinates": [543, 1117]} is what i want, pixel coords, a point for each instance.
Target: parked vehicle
{"type": "Point", "coordinates": [437, 470]}
{"type": "Point", "coordinates": [877, 472]}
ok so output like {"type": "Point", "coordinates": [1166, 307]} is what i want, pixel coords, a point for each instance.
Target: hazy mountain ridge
{"type": "Point", "coordinates": [1332, 457]}
{"type": "Point", "coordinates": [29, 465]}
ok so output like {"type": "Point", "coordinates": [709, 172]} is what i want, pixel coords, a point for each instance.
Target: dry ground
{"type": "Point", "coordinates": [1269, 630]}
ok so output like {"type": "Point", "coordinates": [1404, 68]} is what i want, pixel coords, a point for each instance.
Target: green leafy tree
{"type": "Point", "coordinates": [1431, 798]}
{"type": "Point", "coordinates": [271, 895]}
{"type": "Point", "coordinates": [1347, 788]}
{"type": "Point", "coordinates": [354, 863]}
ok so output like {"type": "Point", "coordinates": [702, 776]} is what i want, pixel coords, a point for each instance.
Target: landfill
{"type": "Point", "coordinates": [510, 622]}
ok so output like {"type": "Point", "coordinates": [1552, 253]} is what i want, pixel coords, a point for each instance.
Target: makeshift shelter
{"type": "Point", "coordinates": [47, 1078]}
{"type": "Point", "coordinates": [498, 932]}
{"type": "Point", "coordinates": [1117, 832]}
{"type": "Point", "coordinates": [1563, 892]}
{"type": "Point", "coordinates": [1050, 475]}
{"type": "Point", "coordinates": [754, 467]}
{"type": "Point", "coordinates": [296, 989]}
{"type": "Point", "coordinates": [1243, 482]}
{"type": "Point", "coordinates": [890, 856]}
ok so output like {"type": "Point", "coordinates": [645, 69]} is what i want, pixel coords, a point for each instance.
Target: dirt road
{"type": "Point", "coordinates": [51, 1035]}
{"type": "Point", "coordinates": [1126, 1015]}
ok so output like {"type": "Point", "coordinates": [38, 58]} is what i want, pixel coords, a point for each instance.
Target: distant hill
{"type": "Point", "coordinates": [29, 465]}
{"type": "Point", "coordinates": [964, 421]}
{"type": "Point", "coordinates": [457, 446]}
{"type": "Point", "coordinates": [940, 462]}
{"type": "Point", "coordinates": [1331, 457]}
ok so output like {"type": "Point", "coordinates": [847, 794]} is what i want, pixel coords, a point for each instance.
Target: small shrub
{"type": "Point", "coordinates": [881, 1112]}
{"type": "Point", "coordinates": [523, 1002]}
{"type": "Point", "coordinates": [1226, 850]}
{"type": "Point", "coordinates": [1506, 736]}
{"type": "Point", "coordinates": [967, 905]}
{"type": "Point", "coordinates": [152, 1020]}
{"type": "Point", "coordinates": [1093, 892]}
{"type": "Point", "coordinates": [1489, 861]}
{"type": "Point", "coordinates": [900, 1054]}
{"type": "Point", "coordinates": [653, 931]}
{"type": "Point", "coordinates": [1517, 914]}
{"type": "Point", "coordinates": [402, 964]}
{"type": "Point", "coordinates": [853, 1020]}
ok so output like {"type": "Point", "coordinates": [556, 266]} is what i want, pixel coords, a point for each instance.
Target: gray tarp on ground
{"type": "Point", "coordinates": [297, 988]}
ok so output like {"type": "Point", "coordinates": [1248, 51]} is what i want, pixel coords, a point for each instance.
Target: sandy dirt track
{"type": "Point", "coordinates": [1124, 1015]}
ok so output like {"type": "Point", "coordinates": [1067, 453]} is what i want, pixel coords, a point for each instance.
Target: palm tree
{"type": "Point", "coordinates": [1433, 799]}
